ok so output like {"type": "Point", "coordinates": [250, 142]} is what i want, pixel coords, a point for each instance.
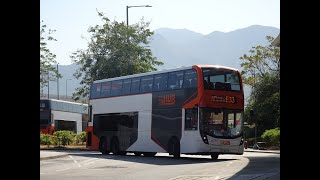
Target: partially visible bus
{"type": "Point", "coordinates": [58, 115]}
{"type": "Point", "coordinates": [189, 110]}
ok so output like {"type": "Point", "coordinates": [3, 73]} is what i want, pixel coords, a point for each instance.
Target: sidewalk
{"type": "Point", "coordinates": [262, 151]}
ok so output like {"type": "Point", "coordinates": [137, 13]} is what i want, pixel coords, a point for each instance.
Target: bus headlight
{"type": "Point", "coordinates": [241, 142]}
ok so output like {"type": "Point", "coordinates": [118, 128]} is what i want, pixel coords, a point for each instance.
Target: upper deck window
{"type": "Point", "coordinates": [146, 84]}
{"type": "Point", "coordinates": [160, 82]}
{"type": "Point", "coordinates": [105, 89]}
{"type": "Point", "coordinates": [175, 80]}
{"type": "Point", "coordinates": [190, 78]}
{"type": "Point", "coordinates": [116, 88]}
{"type": "Point", "coordinates": [95, 90]}
{"type": "Point", "coordinates": [221, 79]}
{"type": "Point", "coordinates": [135, 85]}
{"type": "Point", "coordinates": [126, 86]}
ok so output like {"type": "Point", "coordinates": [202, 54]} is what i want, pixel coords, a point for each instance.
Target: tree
{"type": "Point", "coordinates": [261, 70]}
{"type": "Point", "coordinates": [114, 50]}
{"type": "Point", "coordinates": [47, 58]}
{"type": "Point", "coordinates": [262, 60]}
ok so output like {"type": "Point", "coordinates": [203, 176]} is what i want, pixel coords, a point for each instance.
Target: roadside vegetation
{"type": "Point", "coordinates": [261, 71]}
{"type": "Point", "coordinates": [63, 139]}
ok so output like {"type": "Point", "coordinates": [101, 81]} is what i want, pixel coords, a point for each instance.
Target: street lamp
{"type": "Point", "coordinates": [131, 7]}
{"type": "Point", "coordinates": [67, 87]}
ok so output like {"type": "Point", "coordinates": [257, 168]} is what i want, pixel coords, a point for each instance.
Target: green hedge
{"type": "Point", "coordinates": [272, 137]}
{"type": "Point", "coordinates": [46, 139]}
{"type": "Point", "coordinates": [81, 138]}
{"type": "Point", "coordinates": [63, 138]}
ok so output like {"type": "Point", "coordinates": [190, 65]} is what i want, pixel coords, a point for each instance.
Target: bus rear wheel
{"type": "Point", "coordinates": [214, 156]}
{"type": "Point", "coordinates": [174, 148]}
{"type": "Point", "coordinates": [115, 147]}
{"type": "Point", "coordinates": [103, 146]}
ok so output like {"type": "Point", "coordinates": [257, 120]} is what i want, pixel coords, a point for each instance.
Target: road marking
{"type": "Point", "coordinates": [217, 177]}
{"type": "Point", "coordinates": [79, 165]}
{"type": "Point", "coordinates": [87, 160]}
{"type": "Point", "coordinates": [50, 163]}
{"type": "Point", "coordinates": [63, 169]}
{"type": "Point", "coordinates": [92, 162]}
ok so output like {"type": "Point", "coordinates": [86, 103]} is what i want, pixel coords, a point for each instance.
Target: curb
{"type": "Point", "coordinates": [65, 149]}
{"type": "Point", "coordinates": [262, 151]}
{"type": "Point", "coordinates": [53, 157]}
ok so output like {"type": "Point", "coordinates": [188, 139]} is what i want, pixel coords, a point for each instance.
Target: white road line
{"type": "Point", "coordinates": [63, 169]}
{"type": "Point", "coordinates": [79, 165]}
{"type": "Point", "coordinates": [92, 162]}
{"type": "Point", "coordinates": [85, 161]}
{"type": "Point", "coordinates": [50, 163]}
{"type": "Point", "coordinates": [217, 177]}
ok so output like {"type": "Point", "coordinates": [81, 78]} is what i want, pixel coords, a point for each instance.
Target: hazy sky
{"type": "Point", "coordinates": [72, 18]}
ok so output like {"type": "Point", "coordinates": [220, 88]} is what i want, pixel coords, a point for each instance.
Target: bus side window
{"type": "Point", "coordinates": [95, 90]}
{"type": "Point", "coordinates": [135, 85]}
{"type": "Point", "coordinates": [126, 86]}
{"type": "Point", "coordinates": [105, 89]}
{"type": "Point", "coordinates": [160, 82]}
{"type": "Point", "coordinates": [146, 84]}
{"type": "Point", "coordinates": [116, 88]}
{"type": "Point", "coordinates": [175, 80]}
{"type": "Point", "coordinates": [190, 76]}
{"type": "Point", "coordinates": [191, 119]}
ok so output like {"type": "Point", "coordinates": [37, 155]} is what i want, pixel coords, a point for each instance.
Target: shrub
{"type": "Point", "coordinates": [81, 138]}
{"type": "Point", "coordinates": [63, 138]}
{"type": "Point", "coordinates": [46, 139]}
{"type": "Point", "coordinates": [272, 137]}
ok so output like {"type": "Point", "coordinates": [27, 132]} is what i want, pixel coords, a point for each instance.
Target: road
{"type": "Point", "coordinates": [88, 165]}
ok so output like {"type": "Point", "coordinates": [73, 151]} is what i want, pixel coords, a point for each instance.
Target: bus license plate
{"type": "Point", "coordinates": [225, 142]}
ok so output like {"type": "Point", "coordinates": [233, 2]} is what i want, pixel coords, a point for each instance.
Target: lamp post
{"type": "Point", "coordinates": [67, 87]}
{"type": "Point", "coordinates": [131, 7]}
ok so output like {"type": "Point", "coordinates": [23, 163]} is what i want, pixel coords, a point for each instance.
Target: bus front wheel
{"type": "Point", "coordinates": [214, 156]}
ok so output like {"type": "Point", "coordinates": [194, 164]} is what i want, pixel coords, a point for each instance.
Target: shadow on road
{"type": "Point", "coordinates": [156, 160]}
{"type": "Point", "coordinates": [266, 167]}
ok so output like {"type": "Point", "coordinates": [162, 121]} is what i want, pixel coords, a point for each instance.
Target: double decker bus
{"type": "Point", "coordinates": [190, 110]}
{"type": "Point", "coordinates": [58, 115]}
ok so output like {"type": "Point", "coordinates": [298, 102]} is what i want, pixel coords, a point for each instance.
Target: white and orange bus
{"type": "Point", "coordinates": [58, 115]}
{"type": "Point", "coordinates": [189, 110]}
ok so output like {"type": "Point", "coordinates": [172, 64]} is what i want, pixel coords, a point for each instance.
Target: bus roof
{"type": "Point", "coordinates": [69, 102]}
{"type": "Point", "coordinates": [163, 71]}
{"type": "Point", "coordinates": [217, 66]}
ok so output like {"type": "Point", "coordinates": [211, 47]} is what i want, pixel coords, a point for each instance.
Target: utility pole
{"type": "Point", "coordinates": [58, 81]}
{"type": "Point", "coordinates": [48, 83]}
